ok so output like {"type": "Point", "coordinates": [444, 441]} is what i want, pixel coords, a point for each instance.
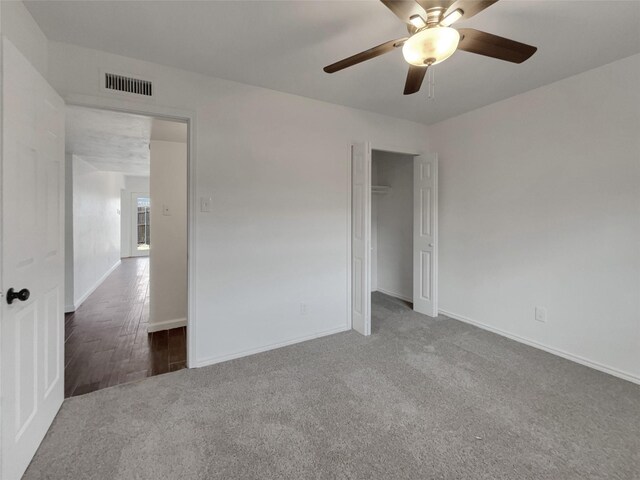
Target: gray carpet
{"type": "Point", "coordinates": [419, 399]}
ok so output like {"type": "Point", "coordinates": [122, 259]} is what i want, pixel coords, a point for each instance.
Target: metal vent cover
{"type": "Point", "coordinates": [123, 83]}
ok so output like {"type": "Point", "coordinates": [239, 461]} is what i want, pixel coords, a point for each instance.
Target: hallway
{"type": "Point", "coordinates": [106, 339]}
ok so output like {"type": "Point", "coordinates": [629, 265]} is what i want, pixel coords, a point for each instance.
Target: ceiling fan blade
{"type": "Point", "coordinates": [469, 7]}
{"type": "Point", "coordinates": [405, 9]}
{"type": "Point", "coordinates": [414, 79]}
{"type": "Point", "coordinates": [490, 45]}
{"type": "Point", "coordinates": [366, 55]}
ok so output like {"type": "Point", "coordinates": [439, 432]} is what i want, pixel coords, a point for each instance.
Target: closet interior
{"type": "Point", "coordinates": [392, 224]}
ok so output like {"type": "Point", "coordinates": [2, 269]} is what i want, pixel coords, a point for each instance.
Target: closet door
{"type": "Point", "coordinates": [361, 238]}
{"type": "Point", "coordinates": [425, 234]}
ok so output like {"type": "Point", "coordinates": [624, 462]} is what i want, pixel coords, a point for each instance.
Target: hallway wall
{"type": "Point", "coordinates": [96, 226]}
{"type": "Point", "coordinates": [168, 253]}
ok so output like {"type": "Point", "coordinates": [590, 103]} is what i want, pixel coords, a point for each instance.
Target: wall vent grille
{"type": "Point", "coordinates": [128, 84]}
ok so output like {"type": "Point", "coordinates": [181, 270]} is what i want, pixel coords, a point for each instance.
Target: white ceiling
{"type": "Point", "coordinates": [110, 141]}
{"type": "Point", "coordinates": [283, 45]}
{"type": "Point", "coordinates": [117, 142]}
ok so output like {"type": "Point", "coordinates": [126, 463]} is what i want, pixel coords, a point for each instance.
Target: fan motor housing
{"type": "Point", "coordinates": [434, 16]}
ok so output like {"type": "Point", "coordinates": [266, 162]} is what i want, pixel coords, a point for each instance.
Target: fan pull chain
{"type": "Point", "coordinates": [431, 84]}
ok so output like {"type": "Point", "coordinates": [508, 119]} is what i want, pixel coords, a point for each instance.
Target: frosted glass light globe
{"type": "Point", "coordinates": [431, 46]}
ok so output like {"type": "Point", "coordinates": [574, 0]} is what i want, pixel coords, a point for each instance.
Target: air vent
{"type": "Point", "coordinates": [127, 84]}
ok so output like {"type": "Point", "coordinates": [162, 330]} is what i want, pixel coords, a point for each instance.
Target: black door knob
{"type": "Point", "coordinates": [22, 295]}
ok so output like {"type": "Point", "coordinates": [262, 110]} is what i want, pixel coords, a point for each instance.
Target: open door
{"type": "Point", "coordinates": [31, 348]}
{"type": "Point", "coordinates": [361, 238]}
{"type": "Point", "coordinates": [425, 235]}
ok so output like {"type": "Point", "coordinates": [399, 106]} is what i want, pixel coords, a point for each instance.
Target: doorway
{"type": "Point", "coordinates": [126, 271]}
{"type": "Point", "coordinates": [35, 353]}
{"type": "Point", "coordinates": [141, 216]}
{"type": "Point", "coordinates": [392, 224]}
{"type": "Point", "coordinates": [393, 231]}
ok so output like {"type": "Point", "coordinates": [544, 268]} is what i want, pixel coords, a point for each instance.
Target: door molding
{"type": "Point", "coordinates": [190, 118]}
{"type": "Point", "coordinates": [404, 150]}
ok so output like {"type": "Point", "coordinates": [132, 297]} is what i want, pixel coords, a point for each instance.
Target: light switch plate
{"type": "Point", "coordinates": [166, 211]}
{"type": "Point", "coordinates": [541, 314]}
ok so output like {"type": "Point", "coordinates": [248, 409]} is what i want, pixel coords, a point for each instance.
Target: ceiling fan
{"type": "Point", "coordinates": [433, 40]}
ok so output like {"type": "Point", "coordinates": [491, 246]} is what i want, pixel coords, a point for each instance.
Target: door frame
{"type": "Point", "coordinates": [190, 118]}
{"type": "Point", "coordinates": [134, 225]}
{"type": "Point", "coordinates": [403, 150]}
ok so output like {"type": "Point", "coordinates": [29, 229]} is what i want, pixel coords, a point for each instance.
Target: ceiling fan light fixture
{"type": "Point", "coordinates": [417, 21]}
{"type": "Point", "coordinates": [431, 46]}
{"type": "Point", "coordinates": [452, 18]}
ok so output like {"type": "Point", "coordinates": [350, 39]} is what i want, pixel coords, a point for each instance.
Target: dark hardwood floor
{"type": "Point", "coordinates": [106, 339]}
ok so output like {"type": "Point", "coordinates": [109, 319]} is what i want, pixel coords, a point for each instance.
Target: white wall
{"type": "Point", "coordinates": [395, 224]}
{"type": "Point", "coordinates": [19, 26]}
{"type": "Point", "coordinates": [278, 169]}
{"type": "Point", "coordinates": [96, 226]}
{"type": "Point", "coordinates": [168, 254]}
{"type": "Point", "coordinates": [132, 184]}
{"type": "Point", "coordinates": [557, 168]}
{"type": "Point", "coordinates": [540, 205]}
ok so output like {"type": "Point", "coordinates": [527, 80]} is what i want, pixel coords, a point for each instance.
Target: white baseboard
{"type": "Point", "coordinates": [223, 358]}
{"type": "Point", "coordinates": [69, 308]}
{"type": "Point", "coordinates": [167, 325]}
{"type": "Point", "coordinates": [560, 353]}
{"type": "Point", "coordinates": [81, 300]}
{"type": "Point", "coordinates": [395, 295]}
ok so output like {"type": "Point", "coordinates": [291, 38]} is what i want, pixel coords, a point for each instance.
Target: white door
{"type": "Point", "coordinates": [31, 362]}
{"type": "Point", "coordinates": [361, 238]}
{"type": "Point", "coordinates": [425, 235]}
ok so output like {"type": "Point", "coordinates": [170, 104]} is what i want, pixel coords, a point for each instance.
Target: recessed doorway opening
{"type": "Point", "coordinates": [126, 269]}
{"type": "Point", "coordinates": [394, 225]}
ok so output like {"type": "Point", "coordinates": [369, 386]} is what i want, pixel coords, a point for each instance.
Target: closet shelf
{"type": "Point", "coordinates": [380, 189]}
